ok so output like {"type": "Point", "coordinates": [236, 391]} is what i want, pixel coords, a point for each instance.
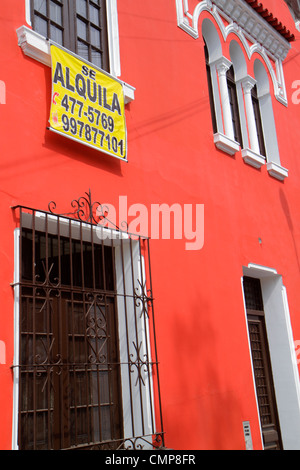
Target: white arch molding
{"type": "Point", "coordinates": [247, 25]}
{"type": "Point", "coordinates": [212, 29]}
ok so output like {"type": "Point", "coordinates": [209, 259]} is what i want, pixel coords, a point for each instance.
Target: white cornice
{"type": "Point", "coordinates": [255, 26]}
{"type": "Point", "coordinates": [242, 19]}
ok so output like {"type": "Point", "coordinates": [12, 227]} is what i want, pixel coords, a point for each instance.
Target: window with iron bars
{"type": "Point", "coordinates": [85, 375]}
{"type": "Point", "coordinates": [78, 25]}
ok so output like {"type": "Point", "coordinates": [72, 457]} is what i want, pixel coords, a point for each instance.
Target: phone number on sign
{"type": "Point", "coordinates": [88, 131]}
{"type": "Point", "coordinates": [92, 134]}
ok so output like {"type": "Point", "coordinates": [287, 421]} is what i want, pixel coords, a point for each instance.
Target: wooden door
{"type": "Point", "coordinates": [262, 365]}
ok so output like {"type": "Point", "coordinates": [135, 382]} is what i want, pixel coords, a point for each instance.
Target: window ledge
{"type": "Point", "coordinates": [253, 158]}
{"type": "Point", "coordinates": [277, 171]}
{"type": "Point", "coordinates": [37, 47]}
{"type": "Point", "coordinates": [226, 144]}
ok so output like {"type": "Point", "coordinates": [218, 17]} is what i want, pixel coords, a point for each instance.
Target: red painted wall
{"type": "Point", "coordinates": [205, 370]}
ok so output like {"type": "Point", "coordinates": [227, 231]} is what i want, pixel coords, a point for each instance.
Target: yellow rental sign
{"type": "Point", "coordinates": [87, 105]}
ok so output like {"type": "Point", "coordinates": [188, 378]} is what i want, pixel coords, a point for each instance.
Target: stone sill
{"type": "Point", "coordinates": [37, 47]}
{"type": "Point", "coordinates": [277, 171]}
{"type": "Point", "coordinates": [226, 144]}
{"type": "Point", "coordinates": [253, 158]}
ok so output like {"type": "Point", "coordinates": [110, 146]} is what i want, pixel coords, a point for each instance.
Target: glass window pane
{"type": "Point", "coordinates": [56, 13]}
{"type": "Point", "coordinates": [105, 422]}
{"type": "Point", "coordinates": [82, 50]}
{"type": "Point", "coordinates": [40, 6]}
{"type": "Point", "coordinates": [81, 29]}
{"type": "Point", "coordinates": [94, 15]}
{"type": "Point", "coordinates": [95, 37]}
{"type": "Point", "coordinates": [56, 34]}
{"type": "Point", "coordinates": [40, 26]}
{"type": "Point", "coordinates": [96, 58]}
{"type": "Point", "coordinates": [81, 7]}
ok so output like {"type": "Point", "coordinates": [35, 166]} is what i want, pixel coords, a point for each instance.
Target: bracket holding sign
{"type": "Point", "coordinates": [87, 104]}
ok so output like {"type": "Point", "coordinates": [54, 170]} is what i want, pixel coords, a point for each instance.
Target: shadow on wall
{"type": "Point", "coordinates": [199, 390]}
{"type": "Point", "coordinates": [286, 211]}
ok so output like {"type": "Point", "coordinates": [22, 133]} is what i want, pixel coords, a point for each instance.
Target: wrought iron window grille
{"type": "Point", "coordinates": [86, 322]}
{"type": "Point", "coordinates": [86, 210]}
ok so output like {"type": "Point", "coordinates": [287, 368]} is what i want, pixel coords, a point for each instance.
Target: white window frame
{"type": "Point", "coordinates": [218, 66]}
{"type": "Point", "coordinates": [37, 47]}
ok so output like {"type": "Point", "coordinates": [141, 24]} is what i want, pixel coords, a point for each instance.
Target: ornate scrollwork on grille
{"type": "Point", "coordinates": [96, 329]}
{"type": "Point", "coordinates": [154, 441]}
{"type": "Point", "coordinates": [87, 210]}
{"type": "Point", "coordinates": [47, 282]}
{"type": "Point", "coordinates": [142, 365]}
{"type": "Point", "coordinates": [45, 360]}
{"type": "Point", "coordinates": [143, 298]}
{"type": "Point", "coordinates": [138, 443]}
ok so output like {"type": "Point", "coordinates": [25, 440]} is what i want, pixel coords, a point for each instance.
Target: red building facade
{"type": "Point", "coordinates": [209, 185]}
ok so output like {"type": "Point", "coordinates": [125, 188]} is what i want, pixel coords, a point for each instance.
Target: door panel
{"type": "Point", "coordinates": [264, 382]}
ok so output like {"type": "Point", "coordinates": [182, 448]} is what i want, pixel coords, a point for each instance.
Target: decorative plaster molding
{"type": "Point", "coordinates": [248, 83]}
{"type": "Point", "coordinates": [226, 144]}
{"type": "Point", "coordinates": [253, 158]}
{"type": "Point", "coordinates": [34, 45]}
{"type": "Point", "coordinates": [277, 171]}
{"type": "Point", "coordinates": [262, 271]}
{"type": "Point", "coordinates": [37, 47]}
{"type": "Point", "coordinates": [222, 66]}
{"type": "Point", "coordinates": [248, 25]}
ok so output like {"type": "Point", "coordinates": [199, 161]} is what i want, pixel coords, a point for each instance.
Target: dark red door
{"type": "Point", "coordinates": [262, 365]}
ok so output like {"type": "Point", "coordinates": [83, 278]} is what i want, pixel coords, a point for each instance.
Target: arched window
{"type": "Point", "coordinates": [257, 138]}
{"type": "Point", "coordinates": [268, 122]}
{"type": "Point", "coordinates": [234, 108]}
{"type": "Point", "coordinates": [241, 105]}
{"type": "Point", "coordinates": [258, 122]}
{"type": "Point", "coordinates": [223, 99]}
{"type": "Point", "coordinates": [210, 90]}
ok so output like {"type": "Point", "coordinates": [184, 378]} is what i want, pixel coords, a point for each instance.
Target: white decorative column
{"type": "Point", "coordinates": [247, 84]}
{"type": "Point", "coordinates": [222, 65]}
{"type": "Point", "coordinates": [224, 138]}
{"type": "Point", "coordinates": [251, 156]}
